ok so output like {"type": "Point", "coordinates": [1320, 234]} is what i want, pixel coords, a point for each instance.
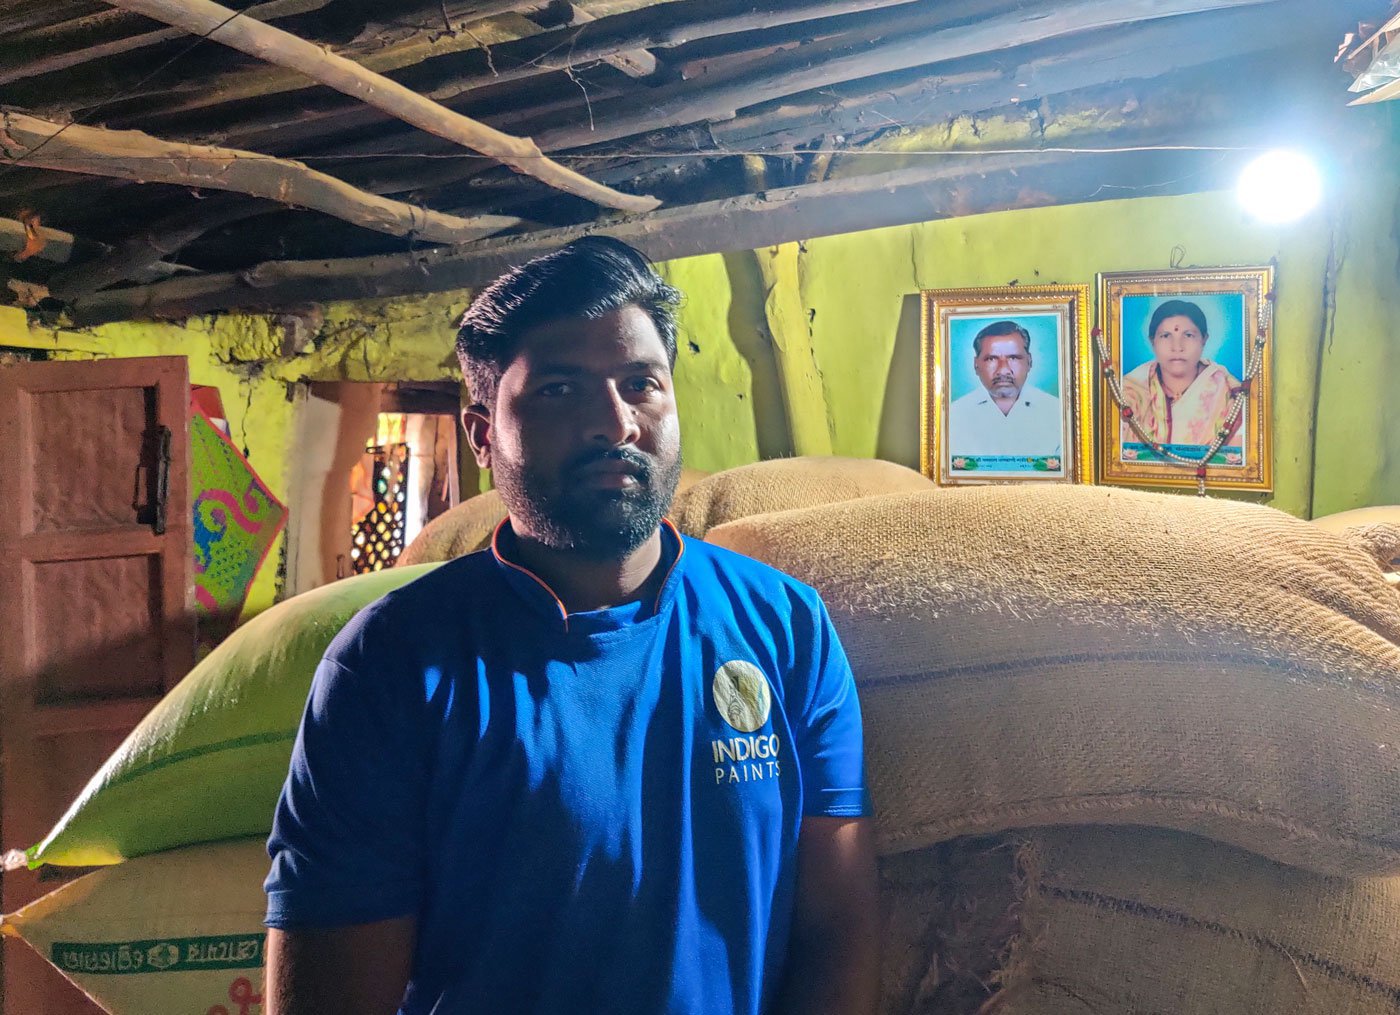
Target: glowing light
{"type": "Point", "coordinates": [1280, 186]}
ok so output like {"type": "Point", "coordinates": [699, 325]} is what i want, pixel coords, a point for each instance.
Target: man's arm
{"type": "Point", "coordinates": [833, 965]}
{"type": "Point", "coordinates": [361, 969]}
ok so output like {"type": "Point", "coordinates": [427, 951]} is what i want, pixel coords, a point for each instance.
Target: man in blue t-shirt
{"type": "Point", "coordinates": [598, 767]}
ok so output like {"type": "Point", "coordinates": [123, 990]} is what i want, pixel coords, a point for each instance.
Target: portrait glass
{"type": "Point", "coordinates": [1182, 344]}
{"type": "Point", "coordinates": [1004, 384]}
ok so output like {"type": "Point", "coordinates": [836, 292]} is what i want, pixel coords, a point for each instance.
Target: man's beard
{"type": "Point", "coordinates": [598, 523]}
{"type": "Point", "coordinates": [1005, 387]}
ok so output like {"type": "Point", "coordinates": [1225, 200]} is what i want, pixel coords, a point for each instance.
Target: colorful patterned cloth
{"type": "Point", "coordinates": [236, 520]}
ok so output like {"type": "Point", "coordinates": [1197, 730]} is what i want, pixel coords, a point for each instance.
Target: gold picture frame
{"type": "Point", "coordinates": [1235, 306]}
{"type": "Point", "coordinates": [970, 432]}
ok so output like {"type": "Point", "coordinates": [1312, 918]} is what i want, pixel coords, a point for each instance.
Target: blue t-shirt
{"type": "Point", "coordinates": [593, 812]}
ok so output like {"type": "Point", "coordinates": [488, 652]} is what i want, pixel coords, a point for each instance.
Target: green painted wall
{"type": "Point", "coordinates": [852, 300]}
{"type": "Point", "coordinates": [860, 294]}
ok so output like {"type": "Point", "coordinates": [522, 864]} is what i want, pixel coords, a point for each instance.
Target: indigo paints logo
{"type": "Point", "coordinates": [742, 695]}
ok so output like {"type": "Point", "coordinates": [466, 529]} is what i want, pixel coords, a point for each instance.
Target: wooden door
{"type": "Point", "coordinates": [95, 577]}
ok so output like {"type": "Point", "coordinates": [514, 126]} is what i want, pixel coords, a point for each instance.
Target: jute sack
{"type": "Point", "coordinates": [784, 483]}
{"type": "Point", "coordinates": [1031, 656]}
{"type": "Point", "coordinates": [208, 761]}
{"type": "Point", "coordinates": [456, 532]}
{"type": "Point", "coordinates": [1069, 920]}
{"type": "Point", "coordinates": [175, 933]}
{"type": "Point", "coordinates": [468, 527]}
{"type": "Point", "coordinates": [1377, 529]}
{"type": "Point", "coordinates": [1343, 520]}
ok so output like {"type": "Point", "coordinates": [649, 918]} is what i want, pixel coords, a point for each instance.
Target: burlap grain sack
{"type": "Point", "coordinates": [456, 532]}
{"type": "Point", "coordinates": [1071, 920]}
{"type": "Point", "coordinates": [785, 483]}
{"type": "Point", "coordinates": [1343, 520]}
{"type": "Point", "coordinates": [1032, 656]}
{"type": "Point", "coordinates": [467, 527]}
{"type": "Point", "coordinates": [1376, 529]}
{"type": "Point", "coordinates": [173, 933]}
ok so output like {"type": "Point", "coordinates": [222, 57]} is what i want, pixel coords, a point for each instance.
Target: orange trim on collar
{"type": "Point", "coordinates": [563, 611]}
{"type": "Point", "coordinates": [495, 549]}
{"type": "Point", "coordinates": [680, 549]}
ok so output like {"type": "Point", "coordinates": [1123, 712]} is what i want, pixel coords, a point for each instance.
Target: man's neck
{"type": "Point", "coordinates": [586, 583]}
{"type": "Point", "coordinates": [1005, 404]}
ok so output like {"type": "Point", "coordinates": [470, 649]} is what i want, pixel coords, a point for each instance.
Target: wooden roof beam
{"type": "Point", "coordinates": [67, 59]}
{"type": "Point", "coordinates": [952, 187]}
{"type": "Point", "coordinates": [803, 71]}
{"type": "Point", "coordinates": [135, 256]}
{"type": "Point", "coordinates": [566, 47]}
{"type": "Point", "coordinates": [635, 63]}
{"type": "Point", "coordinates": [684, 102]}
{"type": "Point", "coordinates": [132, 155]}
{"type": "Point", "coordinates": [203, 17]}
{"type": "Point", "coordinates": [58, 246]}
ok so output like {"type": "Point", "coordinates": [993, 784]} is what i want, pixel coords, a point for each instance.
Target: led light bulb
{"type": "Point", "coordinates": [1280, 186]}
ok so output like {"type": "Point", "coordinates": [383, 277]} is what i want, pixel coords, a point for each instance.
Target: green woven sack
{"type": "Point", "coordinates": [208, 762]}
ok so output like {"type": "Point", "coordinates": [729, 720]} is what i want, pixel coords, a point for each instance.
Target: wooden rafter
{"type": "Point", "coordinates": [70, 58]}
{"type": "Point", "coordinates": [685, 103]}
{"type": "Point", "coordinates": [57, 246]}
{"type": "Point", "coordinates": [635, 63]}
{"type": "Point", "coordinates": [569, 47]}
{"type": "Point", "coordinates": [135, 256]}
{"type": "Point", "coordinates": [822, 67]}
{"type": "Point", "coordinates": [384, 49]}
{"type": "Point", "coordinates": [132, 155]}
{"type": "Point", "coordinates": [266, 42]}
{"type": "Point", "coordinates": [954, 187]}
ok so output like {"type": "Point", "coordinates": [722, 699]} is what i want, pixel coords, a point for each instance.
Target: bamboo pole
{"type": "Point", "coordinates": [265, 42]}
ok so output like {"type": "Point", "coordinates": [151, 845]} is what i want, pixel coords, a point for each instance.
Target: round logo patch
{"type": "Point", "coordinates": [742, 696]}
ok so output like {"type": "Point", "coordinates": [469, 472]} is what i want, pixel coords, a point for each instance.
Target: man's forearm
{"type": "Point", "coordinates": [833, 965]}
{"type": "Point", "coordinates": [355, 970]}
{"type": "Point", "coordinates": [840, 976]}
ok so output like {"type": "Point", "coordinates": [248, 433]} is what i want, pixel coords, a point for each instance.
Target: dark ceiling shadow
{"type": "Point", "coordinates": [898, 440]}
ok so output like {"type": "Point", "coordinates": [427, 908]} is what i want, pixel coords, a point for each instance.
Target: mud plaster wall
{"type": "Point", "coordinates": [841, 316]}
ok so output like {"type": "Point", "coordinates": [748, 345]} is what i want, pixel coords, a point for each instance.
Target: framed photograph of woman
{"type": "Point", "coordinates": [1190, 353]}
{"type": "Point", "coordinates": [1007, 386]}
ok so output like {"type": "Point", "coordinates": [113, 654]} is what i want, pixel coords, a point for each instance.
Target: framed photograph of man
{"type": "Point", "coordinates": [1007, 386]}
{"type": "Point", "coordinates": [1181, 346]}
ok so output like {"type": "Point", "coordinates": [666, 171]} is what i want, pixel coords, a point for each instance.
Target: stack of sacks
{"type": "Point", "coordinates": [468, 527]}
{"type": "Point", "coordinates": [1374, 526]}
{"type": "Point", "coordinates": [1076, 656]}
{"type": "Point", "coordinates": [167, 934]}
{"type": "Point", "coordinates": [180, 930]}
{"type": "Point", "coordinates": [787, 483]}
{"type": "Point", "coordinates": [1071, 920]}
{"type": "Point", "coordinates": [1028, 658]}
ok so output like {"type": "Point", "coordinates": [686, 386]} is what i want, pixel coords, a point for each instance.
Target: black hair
{"type": "Point", "coordinates": [587, 278]}
{"type": "Point", "coordinates": [996, 331]}
{"type": "Point", "coordinates": [1178, 308]}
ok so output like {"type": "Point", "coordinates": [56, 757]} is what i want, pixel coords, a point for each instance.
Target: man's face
{"type": "Point", "coordinates": [1003, 364]}
{"type": "Point", "coordinates": [584, 441]}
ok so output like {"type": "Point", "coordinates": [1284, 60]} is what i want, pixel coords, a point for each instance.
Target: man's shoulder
{"type": "Point", "coordinates": [735, 571]}
{"type": "Point", "coordinates": [968, 400]}
{"type": "Point", "coordinates": [420, 607]}
{"type": "Point", "coordinates": [1041, 398]}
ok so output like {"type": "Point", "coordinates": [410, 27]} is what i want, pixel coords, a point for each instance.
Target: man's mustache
{"type": "Point", "coordinates": [634, 458]}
